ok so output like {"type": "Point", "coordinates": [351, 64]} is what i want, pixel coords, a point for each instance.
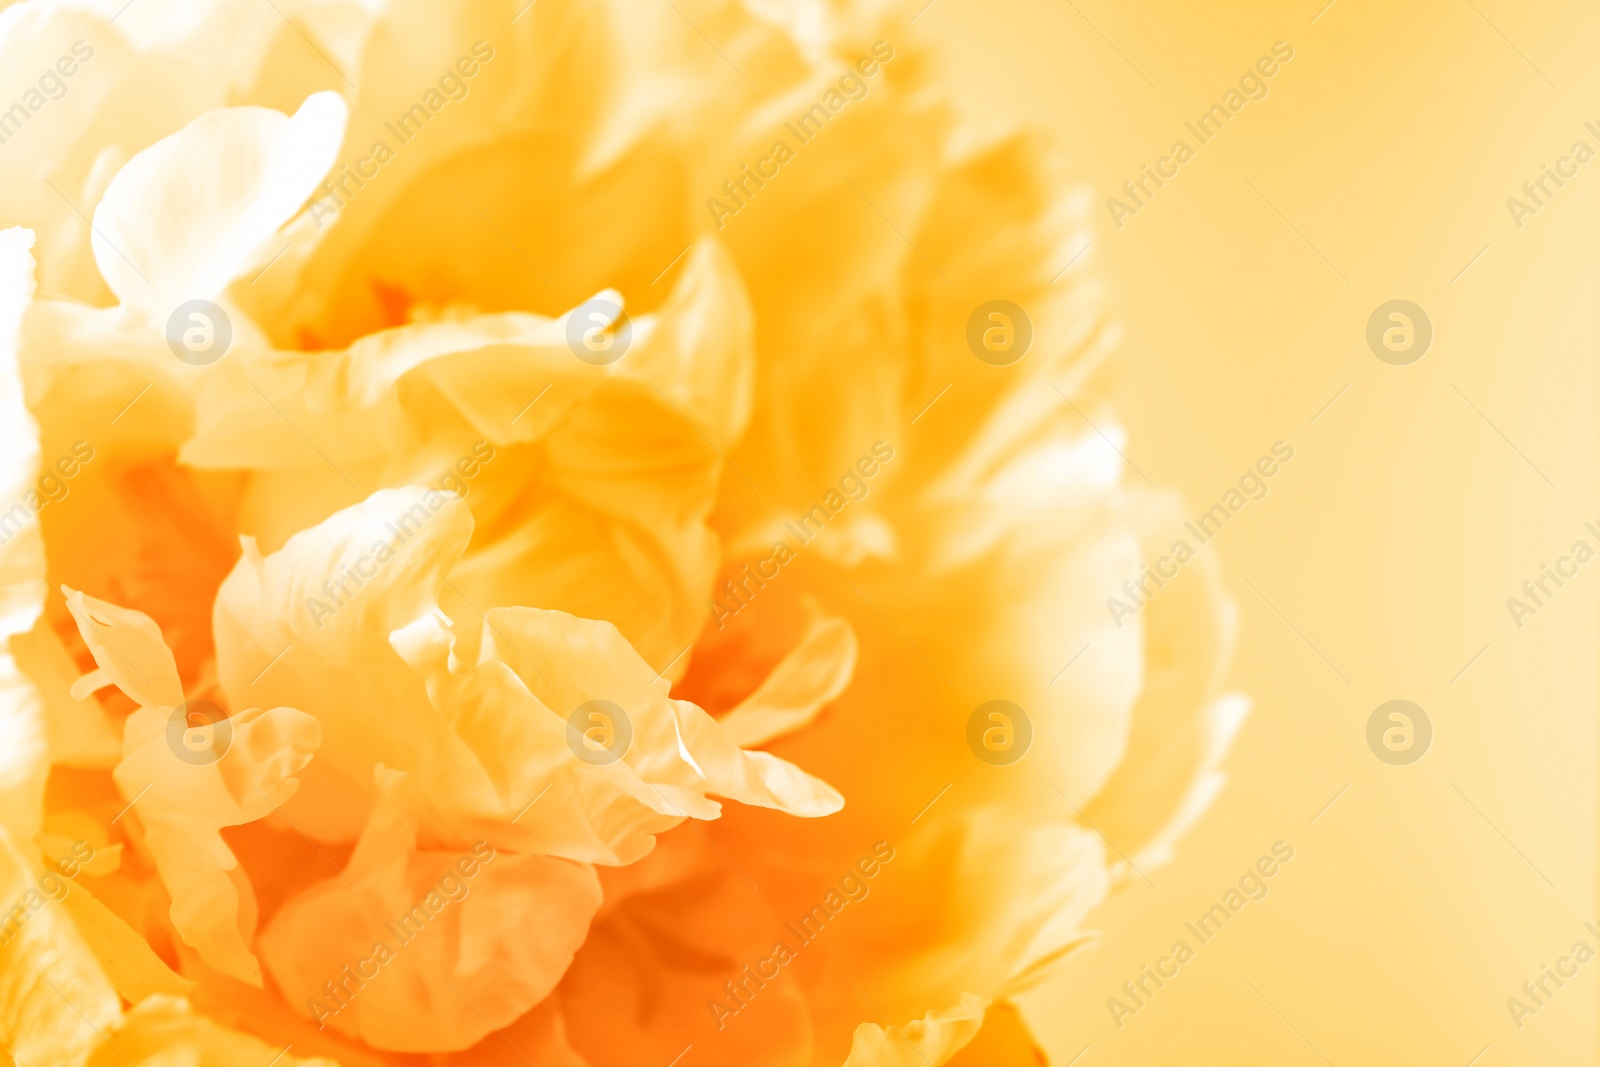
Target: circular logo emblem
{"type": "Point", "coordinates": [199, 332]}
{"type": "Point", "coordinates": [599, 732]}
{"type": "Point", "coordinates": [999, 333]}
{"type": "Point", "coordinates": [1399, 332]}
{"type": "Point", "coordinates": [1399, 732]}
{"type": "Point", "coordinates": [199, 732]}
{"type": "Point", "coordinates": [599, 332]}
{"type": "Point", "coordinates": [999, 732]}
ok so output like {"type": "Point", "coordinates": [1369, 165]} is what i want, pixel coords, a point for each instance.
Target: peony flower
{"type": "Point", "coordinates": [512, 552]}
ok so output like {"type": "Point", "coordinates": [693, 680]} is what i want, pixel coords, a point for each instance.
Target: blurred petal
{"type": "Point", "coordinates": [80, 733]}
{"type": "Point", "coordinates": [1004, 1041]}
{"type": "Point", "coordinates": [933, 1039]}
{"type": "Point", "coordinates": [1182, 725]}
{"type": "Point", "coordinates": [162, 1027]}
{"type": "Point", "coordinates": [24, 744]}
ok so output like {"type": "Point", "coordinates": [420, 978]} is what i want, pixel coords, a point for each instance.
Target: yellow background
{"type": "Point", "coordinates": [1422, 899]}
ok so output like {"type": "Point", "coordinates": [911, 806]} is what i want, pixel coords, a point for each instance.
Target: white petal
{"type": "Point", "coordinates": [23, 743]}
{"type": "Point", "coordinates": [178, 222]}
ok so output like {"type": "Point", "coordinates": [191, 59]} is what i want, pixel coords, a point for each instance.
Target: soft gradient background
{"type": "Point", "coordinates": [1423, 898]}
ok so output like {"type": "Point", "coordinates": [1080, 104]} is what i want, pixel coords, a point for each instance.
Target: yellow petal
{"type": "Point", "coordinates": [676, 746]}
{"type": "Point", "coordinates": [931, 1040]}
{"type": "Point", "coordinates": [163, 1030]}
{"type": "Point", "coordinates": [413, 943]}
{"type": "Point", "coordinates": [813, 673]}
{"type": "Point", "coordinates": [185, 800]}
{"type": "Point", "coordinates": [80, 733]}
{"type": "Point", "coordinates": [603, 813]}
{"type": "Point", "coordinates": [1182, 726]}
{"type": "Point", "coordinates": [340, 665]}
{"type": "Point", "coordinates": [597, 501]}
{"type": "Point", "coordinates": [126, 958]}
{"type": "Point", "coordinates": [954, 927]}
{"type": "Point", "coordinates": [184, 806]}
{"type": "Point", "coordinates": [129, 650]}
{"type": "Point", "coordinates": [55, 1002]}
{"type": "Point", "coordinates": [484, 742]}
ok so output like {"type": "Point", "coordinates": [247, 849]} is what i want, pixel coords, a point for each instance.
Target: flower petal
{"type": "Point", "coordinates": [54, 1000]}
{"type": "Point", "coordinates": [129, 650]}
{"type": "Point", "coordinates": [676, 746]}
{"type": "Point", "coordinates": [80, 732]}
{"type": "Point", "coordinates": [163, 1030]}
{"type": "Point", "coordinates": [1182, 726]}
{"type": "Point", "coordinates": [412, 941]}
{"type": "Point", "coordinates": [126, 957]}
{"type": "Point", "coordinates": [602, 478]}
{"type": "Point", "coordinates": [811, 675]}
{"type": "Point", "coordinates": [600, 813]}
{"type": "Point", "coordinates": [184, 806]}
{"type": "Point", "coordinates": [482, 743]}
{"type": "Point", "coordinates": [180, 219]}
{"type": "Point", "coordinates": [955, 928]}
{"type": "Point", "coordinates": [929, 1041]}
{"type": "Point", "coordinates": [183, 803]}
{"type": "Point", "coordinates": [326, 635]}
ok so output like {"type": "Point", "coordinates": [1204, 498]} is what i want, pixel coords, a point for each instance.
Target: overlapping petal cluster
{"type": "Point", "coordinates": [304, 638]}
